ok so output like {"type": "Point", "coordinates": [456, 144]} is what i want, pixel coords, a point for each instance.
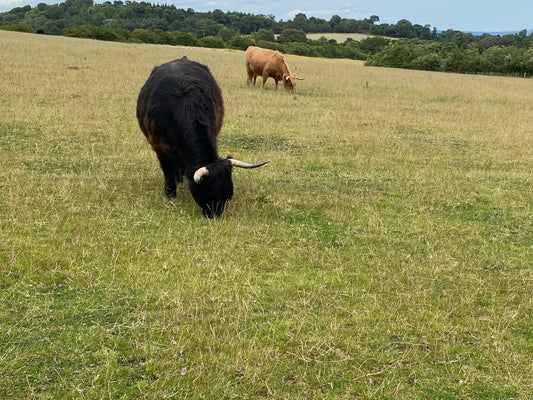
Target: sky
{"type": "Point", "coordinates": [462, 15]}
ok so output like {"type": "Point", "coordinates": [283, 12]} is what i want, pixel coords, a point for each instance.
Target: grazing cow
{"type": "Point", "coordinates": [180, 111]}
{"type": "Point", "coordinates": [268, 63]}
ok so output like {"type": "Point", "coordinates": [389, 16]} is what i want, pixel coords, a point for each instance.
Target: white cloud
{"type": "Point", "coordinates": [292, 13]}
{"type": "Point", "coordinates": [9, 4]}
{"type": "Point", "coordinates": [354, 13]}
{"type": "Point", "coordinates": [213, 5]}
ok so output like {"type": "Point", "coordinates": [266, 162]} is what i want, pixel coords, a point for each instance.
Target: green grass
{"type": "Point", "coordinates": [385, 252]}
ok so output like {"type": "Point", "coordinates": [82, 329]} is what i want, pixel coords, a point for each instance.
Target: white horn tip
{"type": "Point", "coordinates": [240, 164]}
{"type": "Point", "coordinates": [200, 173]}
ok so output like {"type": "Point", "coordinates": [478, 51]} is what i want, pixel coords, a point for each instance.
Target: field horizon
{"type": "Point", "coordinates": [384, 252]}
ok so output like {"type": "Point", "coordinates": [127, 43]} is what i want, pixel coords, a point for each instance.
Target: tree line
{"type": "Point", "coordinates": [400, 45]}
{"type": "Point", "coordinates": [130, 15]}
{"type": "Point", "coordinates": [510, 54]}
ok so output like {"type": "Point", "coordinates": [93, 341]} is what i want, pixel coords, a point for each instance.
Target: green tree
{"type": "Point", "coordinates": [18, 28]}
{"type": "Point", "coordinates": [460, 40]}
{"type": "Point", "coordinates": [347, 26]}
{"type": "Point", "coordinates": [240, 42]}
{"type": "Point", "coordinates": [144, 36]}
{"type": "Point", "coordinates": [265, 34]}
{"type": "Point", "coordinates": [249, 24]}
{"type": "Point", "coordinates": [321, 41]}
{"type": "Point", "coordinates": [226, 34]}
{"type": "Point", "coordinates": [201, 27]}
{"type": "Point", "coordinates": [317, 25]}
{"type": "Point", "coordinates": [219, 17]}
{"type": "Point", "coordinates": [463, 60]}
{"type": "Point", "coordinates": [373, 44]}
{"type": "Point", "coordinates": [300, 22]}
{"type": "Point", "coordinates": [404, 29]}
{"type": "Point", "coordinates": [213, 42]}
{"type": "Point", "coordinates": [292, 35]}
{"type": "Point", "coordinates": [54, 27]}
{"type": "Point", "coordinates": [398, 54]}
{"type": "Point", "coordinates": [427, 62]}
{"type": "Point", "coordinates": [334, 21]}
{"type": "Point", "coordinates": [54, 12]}
{"type": "Point", "coordinates": [182, 38]}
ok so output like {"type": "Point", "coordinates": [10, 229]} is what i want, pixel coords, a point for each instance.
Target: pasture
{"type": "Point", "coordinates": [339, 37]}
{"type": "Point", "coordinates": [385, 252]}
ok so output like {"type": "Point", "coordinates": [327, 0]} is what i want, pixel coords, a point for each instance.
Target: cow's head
{"type": "Point", "coordinates": [212, 187]}
{"type": "Point", "coordinates": [289, 81]}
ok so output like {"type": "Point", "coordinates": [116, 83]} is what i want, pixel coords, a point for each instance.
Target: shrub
{"type": "Point", "coordinates": [353, 53]}
{"type": "Point", "coordinates": [395, 55]}
{"type": "Point", "coordinates": [95, 32]}
{"type": "Point", "coordinates": [240, 42]}
{"type": "Point", "coordinates": [264, 34]}
{"type": "Point", "coordinates": [292, 35]}
{"type": "Point", "coordinates": [182, 38]}
{"type": "Point", "coordinates": [269, 45]}
{"type": "Point", "coordinates": [463, 60]}
{"type": "Point", "coordinates": [213, 42]}
{"type": "Point", "coordinates": [373, 44]}
{"type": "Point", "coordinates": [18, 28]}
{"type": "Point", "coordinates": [428, 62]}
{"type": "Point", "coordinates": [227, 34]}
{"type": "Point", "coordinates": [144, 35]}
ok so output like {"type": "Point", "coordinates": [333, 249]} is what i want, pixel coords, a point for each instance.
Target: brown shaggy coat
{"type": "Point", "coordinates": [268, 64]}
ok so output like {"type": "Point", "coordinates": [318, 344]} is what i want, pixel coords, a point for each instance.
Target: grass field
{"type": "Point", "coordinates": [384, 253]}
{"type": "Point", "coordinates": [339, 37]}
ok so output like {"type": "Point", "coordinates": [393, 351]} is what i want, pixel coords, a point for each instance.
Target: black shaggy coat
{"type": "Point", "coordinates": [180, 111]}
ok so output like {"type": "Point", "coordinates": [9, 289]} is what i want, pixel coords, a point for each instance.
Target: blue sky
{"type": "Point", "coordinates": [464, 15]}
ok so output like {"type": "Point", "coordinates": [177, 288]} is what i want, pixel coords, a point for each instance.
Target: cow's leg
{"type": "Point", "coordinates": [264, 81]}
{"type": "Point", "coordinates": [180, 171]}
{"type": "Point", "coordinates": [171, 170]}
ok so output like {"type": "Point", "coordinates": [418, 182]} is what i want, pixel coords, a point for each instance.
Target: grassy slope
{"type": "Point", "coordinates": [385, 252]}
{"type": "Point", "coordinates": [339, 37]}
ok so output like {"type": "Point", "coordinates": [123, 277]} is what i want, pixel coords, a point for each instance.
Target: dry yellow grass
{"type": "Point", "coordinates": [385, 252]}
{"type": "Point", "coordinates": [339, 37]}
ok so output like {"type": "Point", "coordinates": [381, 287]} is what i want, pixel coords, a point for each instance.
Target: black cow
{"type": "Point", "coordinates": [180, 111]}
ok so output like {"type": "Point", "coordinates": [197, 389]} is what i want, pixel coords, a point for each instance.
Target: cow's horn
{"type": "Point", "coordinates": [240, 164]}
{"type": "Point", "coordinates": [200, 173]}
{"type": "Point", "coordinates": [300, 79]}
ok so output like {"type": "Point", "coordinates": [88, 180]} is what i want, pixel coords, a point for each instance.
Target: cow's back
{"type": "Point", "coordinates": [258, 58]}
{"type": "Point", "coordinates": [266, 63]}
{"type": "Point", "coordinates": [180, 100]}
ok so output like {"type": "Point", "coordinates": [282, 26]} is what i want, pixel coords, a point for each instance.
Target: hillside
{"type": "Point", "coordinates": [418, 47]}
{"type": "Point", "coordinates": [384, 252]}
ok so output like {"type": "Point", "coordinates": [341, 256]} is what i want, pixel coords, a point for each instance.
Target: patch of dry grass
{"type": "Point", "coordinates": [385, 252]}
{"type": "Point", "coordinates": [339, 37]}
